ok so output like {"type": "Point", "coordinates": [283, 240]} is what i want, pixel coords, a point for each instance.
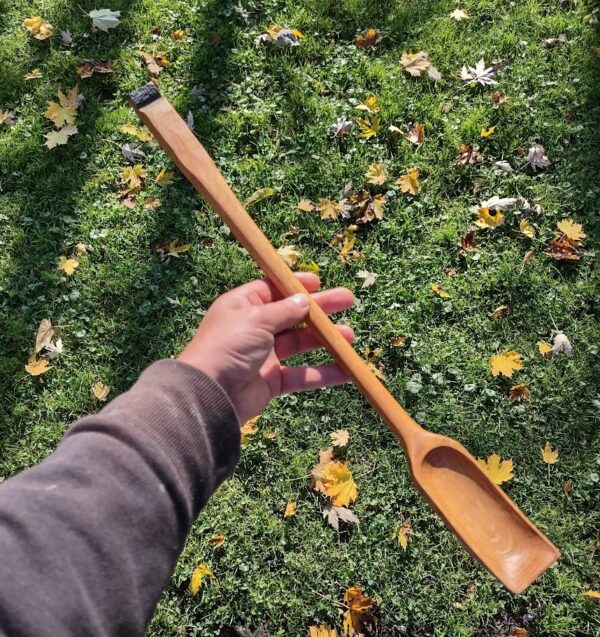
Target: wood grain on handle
{"type": "Point", "coordinates": [194, 162]}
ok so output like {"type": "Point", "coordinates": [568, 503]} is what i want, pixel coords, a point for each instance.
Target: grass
{"type": "Point", "coordinates": [264, 115]}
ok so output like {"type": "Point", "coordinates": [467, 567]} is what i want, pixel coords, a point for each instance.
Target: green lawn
{"type": "Point", "coordinates": [264, 114]}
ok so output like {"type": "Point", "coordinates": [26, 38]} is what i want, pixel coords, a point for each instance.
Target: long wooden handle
{"type": "Point", "coordinates": [191, 158]}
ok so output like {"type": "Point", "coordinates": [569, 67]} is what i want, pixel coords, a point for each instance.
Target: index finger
{"type": "Point", "coordinates": [264, 290]}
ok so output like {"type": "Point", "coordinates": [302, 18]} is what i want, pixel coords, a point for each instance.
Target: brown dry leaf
{"type": "Point", "coordinates": [518, 632]}
{"type": "Point", "coordinates": [404, 534]}
{"type": "Point", "coordinates": [468, 241]}
{"type": "Point", "coordinates": [563, 249]}
{"type": "Point", "coordinates": [528, 257]}
{"type": "Point", "coordinates": [498, 99]}
{"type": "Point", "coordinates": [376, 174]}
{"type": "Point", "coordinates": [318, 472]}
{"type": "Point", "coordinates": [518, 393]}
{"type": "Point", "coordinates": [60, 137]}
{"type": "Point", "coordinates": [568, 487]}
{"type": "Point", "coordinates": [368, 39]}
{"type": "Point", "coordinates": [68, 266]}
{"type": "Point", "coordinates": [544, 348]}
{"type": "Point", "coordinates": [86, 68]}
{"type": "Point", "coordinates": [506, 363]}
{"type": "Point", "coordinates": [467, 155]}
{"type": "Point", "coordinates": [357, 617]}
{"type": "Point", "coordinates": [200, 572]}
{"type": "Point", "coordinates": [133, 175]}
{"type": "Point", "coordinates": [7, 118]}
{"type": "Point", "coordinates": [216, 541]}
{"type": "Point", "coordinates": [333, 515]}
{"type": "Point", "coordinates": [398, 341]}
{"type": "Point", "coordinates": [499, 312]}
{"type": "Point", "coordinates": [44, 335]}
{"type": "Point", "coordinates": [339, 438]}
{"type": "Point", "coordinates": [156, 62]}
{"type": "Point", "coordinates": [271, 435]}
{"type": "Point", "coordinates": [498, 470]}
{"type": "Point", "coordinates": [416, 134]}
{"type": "Point", "coordinates": [290, 509]}
{"type": "Point", "coordinates": [328, 209]}
{"type": "Point", "coordinates": [38, 27]}
{"type": "Point", "coordinates": [324, 630]}
{"type": "Point", "coordinates": [305, 205]}
{"type": "Point", "coordinates": [152, 203]}
{"type": "Point", "coordinates": [549, 455]}
{"type": "Point", "coordinates": [459, 15]}
{"type": "Point", "coordinates": [415, 63]}
{"type": "Point", "coordinates": [439, 290]}
{"type": "Point", "coordinates": [409, 183]}
{"type": "Point", "coordinates": [61, 112]}
{"type": "Point", "coordinates": [37, 366]}
{"type": "Point", "coordinates": [348, 252]}
{"type": "Point", "coordinates": [249, 428]}
{"type": "Point", "coordinates": [339, 484]}
{"type": "Point", "coordinates": [289, 254]}
{"type": "Point", "coordinates": [369, 278]}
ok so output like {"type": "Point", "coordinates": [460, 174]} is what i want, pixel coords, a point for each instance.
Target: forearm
{"type": "Point", "coordinates": [89, 537]}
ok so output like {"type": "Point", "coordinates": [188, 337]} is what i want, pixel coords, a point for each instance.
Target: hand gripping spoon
{"type": "Point", "coordinates": [476, 510]}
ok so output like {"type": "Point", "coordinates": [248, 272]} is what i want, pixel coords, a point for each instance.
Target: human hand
{"type": "Point", "coordinates": [246, 334]}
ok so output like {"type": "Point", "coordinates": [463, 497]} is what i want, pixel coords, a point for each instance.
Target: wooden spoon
{"type": "Point", "coordinates": [478, 512]}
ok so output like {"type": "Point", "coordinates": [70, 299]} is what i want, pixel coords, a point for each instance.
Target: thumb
{"type": "Point", "coordinates": [281, 315]}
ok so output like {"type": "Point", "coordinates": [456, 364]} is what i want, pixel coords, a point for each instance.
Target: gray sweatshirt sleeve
{"type": "Point", "coordinates": [90, 536]}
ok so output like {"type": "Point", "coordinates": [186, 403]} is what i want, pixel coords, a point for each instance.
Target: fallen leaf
{"type": "Point", "coordinates": [86, 68]}
{"type": "Point", "coordinates": [318, 473]}
{"type": "Point", "coordinates": [54, 350]}
{"type": "Point", "coordinates": [164, 177]}
{"type": "Point", "coordinates": [328, 209]}
{"type": "Point", "coordinates": [416, 134]}
{"type": "Point", "coordinates": [200, 572]}
{"type": "Point", "coordinates": [178, 35]}
{"type": "Point", "coordinates": [506, 363]}
{"type": "Point", "coordinates": [156, 62]}
{"type": "Point", "coordinates": [341, 127]}
{"type": "Point", "coordinates": [339, 438]}
{"type": "Point", "coordinates": [60, 137]}
{"type": "Point", "coordinates": [592, 594]}
{"type": "Point", "coordinates": [498, 99]}
{"type": "Point", "coordinates": [479, 74]}
{"type": "Point", "coordinates": [550, 43]}
{"type": "Point", "coordinates": [503, 166]}
{"type": "Point", "coordinates": [544, 347]}
{"type": "Point", "coordinates": [290, 509]}
{"type": "Point", "coordinates": [518, 632]}
{"type": "Point", "coordinates": [410, 182]}
{"type": "Point", "coordinates": [370, 105]}
{"type": "Point", "coordinates": [311, 266]}
{"type": "Point", "coordinates": [305, 205]}
{"type": "Point", "coordinates": [259, 195]}
{"type": "Point", "coordinates": [368, 39]}
{"type": "Point", "coordinates": [7, 118]}
{"type": "Point", "coordinates": [536, 157]}
{"type": "Point", "coordinates": [66, 37]}
{"type": "Point", "coordinates": [104, 19]}
{"type": "Point", "coordinates": [289, 254]}
{"type": "Point", "coordinates": [65, 110]}
{"type": "Point", "coordinates": [280, 36]}
{"type": "Point", "coordinates": [38, 27]}
{"type": "Point", "coordinates": [404, 534]}
{"type": "Point", "coordinates": [486, 133]}
{"type": "Point", "coordinates": [468, 241]}
{"type": "Point", "coordinates": [467, 155]}
{"type": "Point", "coordinates": [68, 266]}
{"type": "Point", "coordinates": [526, 228]}
{"type": "Point", "coordinates": [528, 257]}
{"type": "Point", "coordinates": [459, 15]}
{"type": "Point", "coordinates": [499, 312]}
{"type": "Point", "coordinates": [572, 230]}
{"type": "Point", "coordinates": [439, 290]}
{"type": "Point", "coordinates": [417, 63]}
{"type": "Point", "coordinates": [561, 345]}
{"type": "Point", "coordinates": [37, 366]}
{"type": "Point", "coordinates": [133, 175]}
{"type": "Point", "coordinates": [498, 470]}
{"type": "Point", "coordinates": [358, 618]}
{"type": "Point", "coordinates": [142, 134]}
{"type": "Point", "coordinates": [518, 393]}
{"type": "Point", "coordinates": [549, 455]}
{"type": "Point", "coordinates": [398, 341]}
{"type": "Point", "coordinates": [34, 74]}
{"type": "Point", "coordinates": [271, 435]}
{"type": "Point", "coordinates": [339, 484]}
{"type": "Point", "coordinates": [562, 248]}
{"type": "Point", "coordinates": [376, 174]}
{"type": "Point", "coordinates": [100, 391]}
{"type": "Point", "coordinates": [324, 630]}
{"type": "Point", "coordinates": [369, 127]}
{"type": "Point", "coordinates": [152, 203]}
{"type": "Point", "coordinates": [489, 217]}
{"type": "Point", "coordinates": [44, 335]}
{"type": "Point", "coordinates": [333, 515]}
{"type": "Point", "coordinates": [568, 487]}
{"type": "Point", "coordinates": [368, 278]}
{"type": "Point", "coordinates": [216, 541]}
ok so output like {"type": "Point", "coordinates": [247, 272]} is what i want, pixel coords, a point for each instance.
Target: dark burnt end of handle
{"type": "Point", "coordinates": [144, 95]}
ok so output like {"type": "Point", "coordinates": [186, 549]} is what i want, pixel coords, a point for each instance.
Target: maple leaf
{"type": "Point", "coordinates": [376, 174]}
{"type": "Point", "coordinates": [339, 438]}
{"type": "Point", "coordinates": [249, 428]}
{"type": "Point", "coordinates": [290, 509]}
{"type": "Point", "coordinates": [7, 118]}
{"type": "Point", "coordinates": [536, 157]}
{"type": "Point", "coordinates": [486, 133]}
{"type": "Point", "coordinates": [60, 114]}
{"type": "Point", "coordinates": [549, 455]}
{"type": "Point", "coordinates": [341, 127]}
{"type": "Point", "coordinates": [44, 335]}
{"type": "Point", "coordinates": [369, 127]}
{"type": "Point", "coordinates": [468, 241]}
{"type": "Point", "coordinates": [328, 209]}
{"type": "Point", "coordinates": [503, 166]}
{"type": "Point", "coordinates": [37, 366]}
{"type": "Point", "coordinates": [34, 74]}
{"type": "Point", "coordinates": [518, 393]}
{"type": "Point", "coordinates": [370, 105]}
{"type": "Point", "coordinates": [305, 205]}
{"type": "Point", "coordinates": [289, 254]}
{"type": "Point", "coordinates": [339, 484]}
{"type": "Point", "coordinates": [526, 228]}
{"type": "Point", "coordinates": [104, 19]}
{"type": "Point", "coordinates": [200, 572]}
{"type": "Point", "coordinates": [398, 341]}
{"type": "Point", "coordinates": [86, 68]}
{"type": "Point", "coordinates": [369, 38]}
{"type": "Point", "coordinates": [467, 155]}
{"type": "Point", "coordinates": [280, 36]}
{"type": "Point", "coordinates": [416, 134]}
{"type": "Point", "coordinates": [416, 63]}
{"type": "Point", "coordinates": [439, 290]}
{"type": "Point", "coordinates": [479, 74]}
{"type": "Point", "coordinates": [68, 266]}
{"type": "Point", "coordinates": [178, 35]}
{"type": "Point", "coordinates": [164, 177]}
{"type": "Point", "coordinates": [498, 99]}
{"type": "Point", "coordinates": [357, 618]}
{"type": "Point", "coordinates": [561, 345]}
{"type": "Point", "coordinates": [311, 266]}
{"type": "Point", "coordinates": [562, 248]}
{"type": "Point", "coordinates": [154, 63]}
{"type": "Point", "coordinates": [152, 203]}
{"type": "Point", "coordinates": [100, 391]}
{"type": "Point", "coordinates": [410, 182]}
{"type": "Point", "coordinates": [506, 363]}
{"type": "Point", "coordinates": [544, 348]}
{"type": "Point", "coordinates": [38, 27]}
{"type": "Point", "coordinates": [59, 137]}
{"type": "Point", "coordinates": [368, 278]}
{"type": "Point", "coordinates": [573, 231]}
{"type": "Point", "coordinates": [592, 594]}
{"type": "Point", "coordinates": [133, 175]}
{"type": "Point", "coordinates": [259, 195]}
{"type": "Point", "coordinates": [216, 541]}
{"type": "Point", "coordinates": [498, 470]}
{"type": "Point", "coordinates": [324, 630]}
{"type": "Point", "coordinates": [318, 472]}
{"type": "Point", "coordinates": [404, 534]}
{"type": "Point", "coordinates": [459, 15]}
{"type": "Point", "coordinates": [333, 515]}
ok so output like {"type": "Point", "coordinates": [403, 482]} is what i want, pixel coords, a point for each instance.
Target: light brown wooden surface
{"type": "Point", "coordinates": [480, 514]}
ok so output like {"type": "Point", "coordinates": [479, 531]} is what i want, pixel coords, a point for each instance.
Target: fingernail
{"type": "Point", "coordinates": [301, 300]}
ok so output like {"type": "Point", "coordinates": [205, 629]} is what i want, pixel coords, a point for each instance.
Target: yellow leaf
{"type": "Point", "coordinates": [142, 135]}
{"type": "Point", "coordinates": [369, 127]}
{"type": "Point", "coordinates": [498, 470]}
{"type": "Point", "coordinates": [178, 35]}
{"type": "Point", "coordinates": [506, 363]}
{"type": "Point", "coordinates": [489, 218]}
{"type": "Point", "coordinates": [59, 114]}
{"type": "Point", "coordinates": [37, 366]}
{"type": "Point", "coordinates": [519, 392]}
{"type": "Point", "coordinates": [357, 614]}
{"type": "Point", "coordinates": [527, 229]}
{"type": "Point", "coordinates": [329, 209]}
{"type": "Point", "coordinates": [100, 391]}
{"type": "Point", "coordinates": [439, 290]}
{"type": "Point", "coordinates": [549, 455]}
{"type": "Point", "coordinates": [322, 631]}
{"type": "Point", "coordinates": [38, 27]}
{"type": "Point", "coordinates": [289, 254]}
{"type": "Point", "coordinates": [404, 534]}
{"type": "Point", "coordinates": [174, 249]}
{"type": "Point", "coordinates": [259, 195]}
{"type": "Point", "coordinates": [318, 472]}
{"type": "Point", "coordinates": [339, 484]}
{"type": "Point", "coordinates": [217, 541]}
{"type": "Point", "coordinates": [164, 177]}
{"type": "Point", "coordinates": [248, 429]}
{"type": "Point", "coordinates": [415, 63]}
{"type": "Point", "coordinates": [200, 572]}
{"type": "Point", "coordinates": [376, 174]}
{"type": "Point", "coordinates": [544, 347]}
{"type": "Point", "coordinates": [486, 133]}
{"type": "Point", "coordinates": [59, 137]}
{"type": "Point", "coordinates": [339, 438]}
{"type": "Point", "coordinates": [410, 182]}
{"type": "Point", "coordinates": [68, 266]}
{"type": "Point", "coordinates": [133, 175]}
{"type": "Point", "coordinates": [573, 231]}
{"type": "Point", "coordinates": [34, 74]}
{"type": "Point", "coordinates": [398, 341]}
{"type": "Point", "coordinates": [290, 509]}
{"type": "Point", "coordinates": [305, 205]}
{"type": "Point", "coordinates": [369, 105]}
{"type": "Point", "coordinates": [592, 594]}
{"type": "Point", "coordinates": [152, 203]}
{"type": "Point", "coordinates": [310, 266]}
{"type": "Point", "coordinates": [367, 39]}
